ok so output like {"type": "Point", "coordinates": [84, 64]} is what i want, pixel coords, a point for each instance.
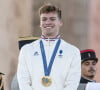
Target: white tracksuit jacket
{"type": "Point", "coordinates": [65, 72]}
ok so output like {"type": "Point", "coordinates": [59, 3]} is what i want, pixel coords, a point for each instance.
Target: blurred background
{"type": "Point", "coordinates": [19, 18]}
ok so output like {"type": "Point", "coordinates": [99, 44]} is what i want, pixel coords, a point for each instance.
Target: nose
{"type": "Point", "coordinates": [48, 21]}
{"type": "Point", "coordinates": [91, 66]}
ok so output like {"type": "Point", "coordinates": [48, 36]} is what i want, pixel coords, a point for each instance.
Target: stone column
{"type": "Point", "coordinates": [94, 32]}
{"type": "Point", "coordinates": [24, 17]}
{"type": "Point", "coordinates": [8, 41]}
{"type": "Point", "coordinates": [15, 21]}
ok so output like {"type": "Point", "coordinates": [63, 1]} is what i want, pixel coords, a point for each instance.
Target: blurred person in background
{"type": "Point", "coordinates": [88, 70]}
{"type": "Point", "coordinates": [1, 81]}
{"type": "Point", "coordinates": [88, 65]}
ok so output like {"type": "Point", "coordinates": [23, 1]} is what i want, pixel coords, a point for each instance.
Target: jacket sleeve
{"type": "Point", "coordinates": [24, 79]}
{"type": "Point", "coordinates": [73, 78]}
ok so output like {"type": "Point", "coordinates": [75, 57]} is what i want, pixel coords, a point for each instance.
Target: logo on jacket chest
{"type": "Point", "coordinates": [36, 53]}
{"type": "Point", "coordinates": [60, 55]}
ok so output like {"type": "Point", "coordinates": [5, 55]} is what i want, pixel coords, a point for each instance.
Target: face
{"type": "Point", "coordinates": [89, 69]}
{"type": "Point", "coordinates": [50, 24]}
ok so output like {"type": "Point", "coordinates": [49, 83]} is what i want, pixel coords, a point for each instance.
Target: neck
{"type": "Point", "coordinates": [89, 78]}
{"type": "Point", "coordinates": [50, 37]}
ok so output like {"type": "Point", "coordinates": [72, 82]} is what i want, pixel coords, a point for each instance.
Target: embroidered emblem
{"type": "Point", "coordinates": [60, 53]}
{"type": "Point", "coordinates": [89, 54]}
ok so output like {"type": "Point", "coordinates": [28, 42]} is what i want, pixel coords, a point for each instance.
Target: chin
{"type": "Point", "coordinates": [91, 76]}
{"type": "Point", "coordinates": [48, 34]}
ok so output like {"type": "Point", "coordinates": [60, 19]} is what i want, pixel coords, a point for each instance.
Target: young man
{"type": "Point", "coordinates": [89, 61]}
{"type": "Point", "coordinates": [49, 63]}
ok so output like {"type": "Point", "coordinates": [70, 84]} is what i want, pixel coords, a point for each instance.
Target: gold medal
{"type": "Point", "coordinates": [46, 81]}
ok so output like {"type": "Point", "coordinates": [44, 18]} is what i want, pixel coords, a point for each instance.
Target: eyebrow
{"type": "Point", "coordinates": [49, 17]}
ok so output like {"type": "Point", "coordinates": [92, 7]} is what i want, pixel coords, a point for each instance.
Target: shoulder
{"type": "Point", "coordinates": [69, 47]}
{"type": "Point", "coordinates": [31, 45]}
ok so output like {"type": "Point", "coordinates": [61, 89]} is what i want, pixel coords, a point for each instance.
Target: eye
{"type": "Point", "coordinates": [86, 63]}
{"type": "Point", "coordinates": [52, 18]}
{"type": "Point", "coordinates": [43, 19]}
{"type": "Point", "coordinates": [94, 63]}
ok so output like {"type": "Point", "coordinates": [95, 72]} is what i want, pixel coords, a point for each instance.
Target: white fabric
{"type": "Point", "coordinates": [14, 83]}
{"type": "Point", "coordinates": [93, 86]}
{"type": "Point", "coordinates": [66, 69]}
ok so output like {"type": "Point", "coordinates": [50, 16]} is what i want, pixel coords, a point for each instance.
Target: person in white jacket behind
{"type": "Point", "coordinates": [92, 86]}
{"type": "Point", "coordinates": [49, 63]}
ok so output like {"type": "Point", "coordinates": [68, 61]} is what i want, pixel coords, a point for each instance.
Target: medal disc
{"type": "Point", "coordinates": [46, 81]}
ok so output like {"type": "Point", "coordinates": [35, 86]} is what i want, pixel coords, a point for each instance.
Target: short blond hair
{"type": "Point", "coordinates": [47, 8]}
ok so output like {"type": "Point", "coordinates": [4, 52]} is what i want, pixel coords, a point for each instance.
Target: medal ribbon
{"type": "Point", "coordinates": [47, 70]}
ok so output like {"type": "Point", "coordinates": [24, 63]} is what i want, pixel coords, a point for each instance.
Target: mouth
{"type": "Point", "coordinates": [91, 71]}
{"type": "Point", "coordinates": [48, 27]}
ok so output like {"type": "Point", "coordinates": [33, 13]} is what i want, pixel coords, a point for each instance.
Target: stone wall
{"type": "Point", "coordinates": [94, 31]}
